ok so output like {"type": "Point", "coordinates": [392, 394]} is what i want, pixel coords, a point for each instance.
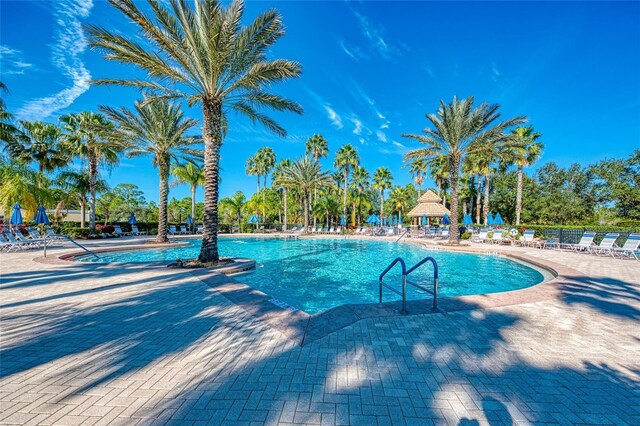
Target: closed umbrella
{"type": "Point", "coordinates": [254, 219]}
{"type": "Point", "coordinates": [132, 219]}
{"type": "Point", "coordinates": [41, 217]}
{"type": "Point", "coordinates": [498, 220]}
{"type": "Point", "coordinates": [189, 220]}
{"type": "Point", "coordinates": [467, 219]}
{"type": "Point", "coordinates": [490, 219]}
{"type": "Point", "coordinates": [343, 221]}
{"type": "Point", "coordinates": [424, 220]}
{"type": "Point", "coordinates": [445, 219]}
{"type": "Point", "coordinates": [16, 215]}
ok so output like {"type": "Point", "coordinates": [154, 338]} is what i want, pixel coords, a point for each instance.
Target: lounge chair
{"type": "Point", "coordinates": [136, 231]}
{"type": "Point", "coordinates": [117, 229]}
{"type": "Point", "coordinates": [631, 247]}
{"type": "Point", "coordinates": [497, 237]}
{"type": "Point", "coordinates": [527, 238]}
{"type": "Point", "coordinates": [200, 229]}
{"type": "Point", "coordinates": [5, 244]}
{"type": "Point", "coordinates": [52, 234]}
{"type": "Point", "coordinates": [172, 230]}
{"type": "Point", "coordinates": [606, 246]}
{"type": "Point", "coordinates": [444, 234]}
{"type": "Point", "coordinates": [585, 243]}
{"type": "Point", "coordinates": [18, 243]}
{"type": "Point", "coordinates": [481, 237]}
{"type": "Point", "coordinates": [183, 230]}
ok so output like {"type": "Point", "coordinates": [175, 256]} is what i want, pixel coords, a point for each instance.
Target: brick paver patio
{"type": "Point", "coordinates": [100, 344]}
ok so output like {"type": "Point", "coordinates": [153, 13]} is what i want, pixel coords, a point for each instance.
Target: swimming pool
{"type": "Point", "coordinates": [318, 274]}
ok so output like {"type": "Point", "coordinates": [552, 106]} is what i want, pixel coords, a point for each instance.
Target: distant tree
{"type": "Point", "coordinates": [346, 159]}
{"type": "Point", "coordinates": [78, 184]}
{"type": "Point", "coordinates": [382, 180]}
{"type": "Point", "coordinates": [525, 151]}
{"type": "Point", "coordinates": [235, 204]}
{"type": "Point", "coordinates": [40, 144]}
{"type": "Point", "coordinates": [191, 174]}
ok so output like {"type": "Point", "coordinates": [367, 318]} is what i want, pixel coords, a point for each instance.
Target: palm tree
{"type": "Point", "coordinates": [399, 199]}
{"type": "Point", "coordinates": [473, 166]}
{"type": "Point", "coordinates": [235, 203]}
{"type": "Point", "coordinates": [346, 158]}
{"type": "Point", "coordinates": [525, 151]}
{"type": "Point", "coordinates": [382, 180]}
{"type": "Point", "coordinates": [304, 174]}
{"type": "Point", "coordinates": [78, 184]}
{"type": "Point", "coordinates": [277, 172]}
{"type": "Point", "coordinates": [158, 128]}
{"type": "Point", "coordinates": [317, 147]}
{"type": "Point", "coordinates": [417, 169]}
{"type": "Point", "coordinates": [326, 206]}
{"type": "Point", "coordinates": [40, 144]}
{"type": "Point", "coordinates": [439, 171]}
{"type": "Point", "coordinates": [252, 169]}
{"type": "Point", "coordinates": [360, 183]}
{"type": "Point", "coordinates": [9, 132]}
{"type": "Point", "coordinates": [204, 54]}
{"type": "Point", "coordinates": [92, 137]}
{"type": "Point", "coordinates": [191, 174]}
{"type": "Point", "coordinates": [21, 184]}
{"type": "Point", "coordinates": [265, 159]}
{"type": "Point", "coordinates": [460, 130]}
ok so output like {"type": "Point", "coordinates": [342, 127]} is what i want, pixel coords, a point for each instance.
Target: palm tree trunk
{"type": "Point", "coordinates": [193, 204]}
{"type": "Point", "coordinates": [163, 165]}
{"type": "Point", "coordinates": [478, 198]}
{"type": "Point", "coordinates": [519, 195]}
{"type": "Point", "coordinates": [212, 136]}
{"type": "Point", "coordinates": [455, 173]}
{"type": "Point", "coordinates": [485, 207]}
{"type": "Point", "coordinates": [346, 182]}
{"type": "Point", "coordinates": [285, 208]}
{"type": "Point", "coordinates": [381, 206]}
{"type": "Point", "coordinates": [93, 178]}
{"type": "Point", "coordinates": [83, 212]}
{"type": "Point", "coordinates": [306, 211]}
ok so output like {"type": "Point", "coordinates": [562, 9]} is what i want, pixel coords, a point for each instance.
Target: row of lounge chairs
{"type": "Point", "coordinates": [183, 230]}
{"type": "Point", "coordinates": [607, 246]}
{"type": "Point", "coordinates": [326, 230]}
{"type": "Point", "coordinates": [14, 240]}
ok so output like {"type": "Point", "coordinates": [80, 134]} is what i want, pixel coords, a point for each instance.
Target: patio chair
{"type": "Point", "coordinates": [606, 245]}
{"type": "Point", "coordinates": [18, 240]}
{"type": "Point", "coordinates": [631, 247]}
{"type": "Point", "coordinates": [444, 234]}
{"type": "Point", "coordinates": [497, 237]}
{"type": "Point", "coordinates": [200, 229]}
{"type": "Point", "coordinates": [117, 229]}
{"type": "Point", "coordinates": [585, 243]}
{"type": "Point", "coordinates": [183, 230]}
{"type": "Point", "coordinates": [6, 245]}
{"type": "Point", "coordinates": [172, 230]}
{"type": "Point", "coordinates": [527, 238]}
{"type": "Point", "coordinates": [481, 237]}
{"type": "Point", "coordinates": [52, 234]}
{"type": "Point", "coordinates": [136, 231]}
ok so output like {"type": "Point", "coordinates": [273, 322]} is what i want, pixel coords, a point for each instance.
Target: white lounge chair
{"type": "Point", "coordinates": [117, 229]}
{"type": "Point", "coordinates": [497, 237]}
{"type": "Point", "coordinates": [18, 242]}
{"type": "Point", "coordinates": [200, 229]}
{"type": "Point", "coordinates": [606, 245]}
{"type": "Point", "coordinates": [136, 231]}
{"type": "Point", "coordinates": [482, 236]}
{"type": "Point", "coordinates": [527, 238]}
{"type": "Point", "coordinates": [631, 247]}
{"type": "Point", "coordinates": [585, 243]}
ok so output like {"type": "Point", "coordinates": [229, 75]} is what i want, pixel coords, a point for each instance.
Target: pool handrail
{"type": "Point", "coordinates": [405, 274]}
{"type": "Point", "coordinates": [66, 237]}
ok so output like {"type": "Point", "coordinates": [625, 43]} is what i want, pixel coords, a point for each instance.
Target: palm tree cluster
{"type": "Point", "coordinates": [463, 146]}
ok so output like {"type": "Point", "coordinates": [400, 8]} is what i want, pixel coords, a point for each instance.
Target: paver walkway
{"type": "Point", "coordinates": [97, 344]}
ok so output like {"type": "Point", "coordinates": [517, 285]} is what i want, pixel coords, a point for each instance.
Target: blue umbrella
{"type": "Point", "coordinates": [372, 219]}
{"type": "Point", "coordinates": [490, 219]}
{"type": "Point", "coordinates": [498, 220]}
{"type": "Point", "coordinates": [424, 220]}
{"type": "Point", "coordinates": [16, 216]}
{"type": "Point", "coordinates": [445, 219]}
{"type": "Point", "coordinates": [467, 219]}
{"type": "Point", "coordinates": [132, 219]}
{"type": "Point", "coordinates": [343, 221]}
{"type": "Point", "coordinates": [41, 216]}
{"type": "Point", "coordinates": [189, 220]}
{"type": "Point", "coordinates": [254, 219]}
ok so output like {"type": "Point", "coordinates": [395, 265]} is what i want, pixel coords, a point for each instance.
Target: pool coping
{"type": "Point", "coordinates": [304, 328]}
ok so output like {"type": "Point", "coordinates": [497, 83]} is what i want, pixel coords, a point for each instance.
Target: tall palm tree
{"type": "Point", "coordinates": [78, 184]}
{"type": "Point", "coordinates": [360, 183]}
{"type": "Point", "coordinates": [21, 184]}
{"type": "Point", "coordinates": [40, 144]}
{"type": "Point", "coordinates": [417, 169]}
{"type": "Point", "coordinates": [304, 174]}
{"type": "Point", "coordinates": [251, 167]}
{"type": "Point", "coordinates": [399, 199]}
{"type": "Point", "coordinates": [92, 137]}
{"type": "Point", "coordinates": [473, 166]}
{"type": "Point", "coordinates": [158, 128]}
{"type": "Point", "coordinates": [235, 203]}
{"type": "Point", "coordinates": [277, 173]}
{"type": "Point", "coordinates": [459, 130]}
{"type": "Point", "coordinates": [382, 180]}
{"type": "Point", "coordinates": [9, 132]}
{"type": "Point", "coordinates": [326, 206]}
{"type": "Point", "coordinates": [317, 147]}
{"type": "Point", "coordinates": [439, 171]}
{"type": "Point", "coordinates": [204, 54]}
{"type": "Point", "coordinates": [526, 151]}
{"type": "Point", "coordinates": [346, 159]}
{"type": "Point", "coordinates": [193, 175]}
{"type": "Point", "coordinates": [265, 159]}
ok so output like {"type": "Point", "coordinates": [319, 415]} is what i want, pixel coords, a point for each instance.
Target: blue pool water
{"type": "Point", "coordinates": [317, 274]}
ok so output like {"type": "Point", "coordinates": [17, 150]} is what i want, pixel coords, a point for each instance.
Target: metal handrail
{"type": "Point", "coordinates": [68, 239]}
{"type": "Point", "coordinates": [403, 234]}
{"type": "Point", "coordinates": [405, 274]}
{"type": "Point", "coordinates": [404, 279]}
{"type": "Point", "coordinates": [433, 292]}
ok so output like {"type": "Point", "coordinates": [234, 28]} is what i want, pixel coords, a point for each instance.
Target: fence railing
{"type": "Point", "coordinates": [572, 236]}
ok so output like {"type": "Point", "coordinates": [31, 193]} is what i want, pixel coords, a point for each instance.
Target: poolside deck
{"type": "Point", "coordinates": [132, 344]}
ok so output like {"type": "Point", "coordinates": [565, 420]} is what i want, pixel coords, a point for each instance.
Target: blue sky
{"type": "Point", "coordinates": [371, 72]}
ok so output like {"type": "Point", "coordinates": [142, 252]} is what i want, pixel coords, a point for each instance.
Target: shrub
{"type": "Point", "coordinates": [76, 232]}
{"type": "Point", "coordinates": [466, 235]}
{"type": "Point", "coordinates": [107, 229]}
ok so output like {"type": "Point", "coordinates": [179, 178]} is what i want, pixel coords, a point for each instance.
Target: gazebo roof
{"type": "Point", "coordinates": [429, 205]}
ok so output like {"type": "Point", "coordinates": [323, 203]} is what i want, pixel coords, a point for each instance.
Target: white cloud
{"type": "Point", "coordinates": [353, 52]}
{"type": "Point", "coordinates": [398, 144]}
{"type": "Point", "coordinates": [336, 120]}
{"type": "Point", "coordinates": [12, 61]}
{"type": "Point", "coordinates": [65, 55]}
{"type": "Point", "coordinates": [495, 73]}
{"type": "Point", "coordinates": [374, 35]}
{"type": "Point", "coordinates": [357, 130]}
{"type": "Point", "coordinates": [381, 136]}
{"type": "Point", "coordinates": [385, 125]}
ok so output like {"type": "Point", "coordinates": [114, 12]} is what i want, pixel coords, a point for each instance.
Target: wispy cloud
{"type": "Point", "coordinates": [374, 33]}
{"type": "Point", "coordinates": [12, 61]}
{"type": "Point", "coordinates": [495, 73]}
{"type": "Point", "coordinates": [357, 130]}
{"type": "Point", "coordinates": [65, 55]}
{"type": "Point", "coordinates": [381, 136]}
{"type": "Point", "coordinates": [353, 52]}
{"type": "Point", "coordinates": [335, 119]}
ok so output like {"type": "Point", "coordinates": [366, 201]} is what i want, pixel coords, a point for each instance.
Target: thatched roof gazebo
{"type": "Point", "coordinates": [430, 205]}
